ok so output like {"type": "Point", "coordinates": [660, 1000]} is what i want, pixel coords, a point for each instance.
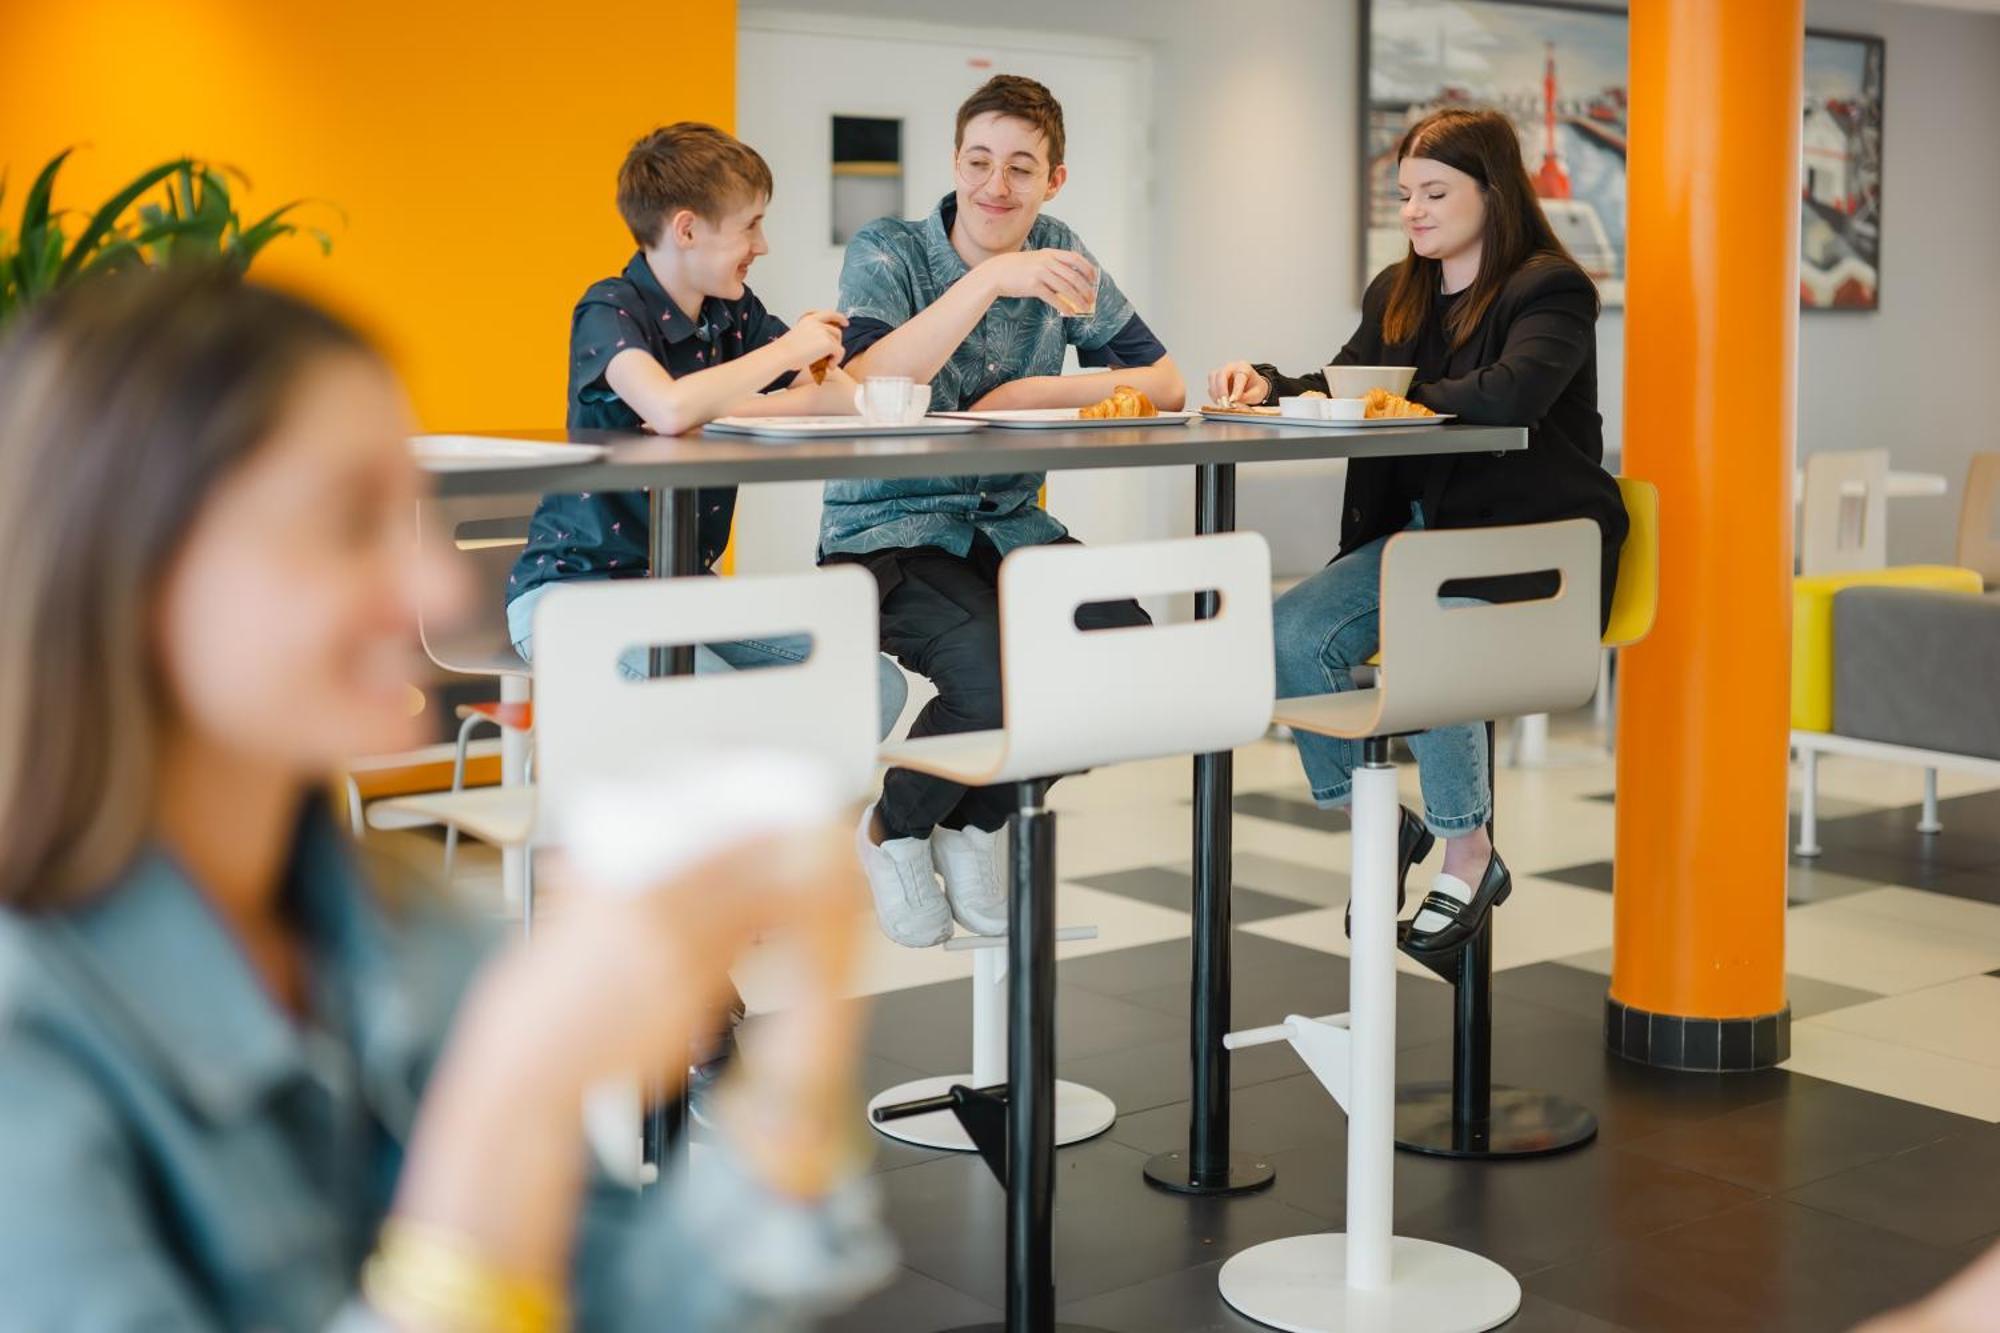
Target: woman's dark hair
{"type": "Point", "coordinates": [1485, 146]}
{"type": "Point", "coordinates": [122, 402]}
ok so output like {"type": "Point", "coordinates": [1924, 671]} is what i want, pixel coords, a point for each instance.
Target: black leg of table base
{"type": "Point", "coordinates": [1031, 1073]}
{"type": "Point", "coordinates": [673, 551]}
{"type": "Point", "coordinates": [1469, 1117]}
{"type": "Point", "coordinates": [1208, 1167]}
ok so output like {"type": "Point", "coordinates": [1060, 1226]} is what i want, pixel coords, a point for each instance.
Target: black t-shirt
{"type": "Point", "coordinates": [604, 534]}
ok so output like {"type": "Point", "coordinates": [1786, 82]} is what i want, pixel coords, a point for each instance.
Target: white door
{"type": "Point", "coordinates": [796, 72]}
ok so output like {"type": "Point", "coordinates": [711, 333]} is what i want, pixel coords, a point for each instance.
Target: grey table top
{"type": "Point", "coordinates": [643, 462]}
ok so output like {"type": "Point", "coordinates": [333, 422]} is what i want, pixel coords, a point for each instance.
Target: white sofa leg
{"type": "Point", "coordinates": [1809, 806]}
{"type": "Point", "coordinates": [1929, 823]}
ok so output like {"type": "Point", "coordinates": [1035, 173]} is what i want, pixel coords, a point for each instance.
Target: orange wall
{"type": "Point", "coordinates": [473, 149]}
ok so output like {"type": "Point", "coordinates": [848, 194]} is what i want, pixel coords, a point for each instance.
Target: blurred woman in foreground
{"type": "Point", "coordinates": [243, 1084]}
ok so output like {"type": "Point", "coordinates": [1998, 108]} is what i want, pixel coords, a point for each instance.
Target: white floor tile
{"type": "Point", "coordinates": [1960, 1019]}
{"type": "Point", "coordinates": [1122, 923]}
{"type": "Point", "coordinates": [1882, 953]}
{"type": "Point", "coordinates": [1932, 911]}
{"type": "Point", "coordinates": [1824, 1051]}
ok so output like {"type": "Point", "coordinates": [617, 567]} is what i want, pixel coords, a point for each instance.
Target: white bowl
{"type": "Point", "coordinates": [1343, 409]}
{"type": "Point", "coordinates": [1354, 381]}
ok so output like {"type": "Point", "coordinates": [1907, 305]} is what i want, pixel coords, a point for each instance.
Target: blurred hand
{"type": "Point", "coordinates": [1237, 384]}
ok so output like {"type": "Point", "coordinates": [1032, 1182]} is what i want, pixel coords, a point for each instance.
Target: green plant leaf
{"type": "Point", "coordinates": [103, 224]}
{"type": "Point", "coordinates": [35, 212]}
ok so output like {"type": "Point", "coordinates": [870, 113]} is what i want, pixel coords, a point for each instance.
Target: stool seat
{"type": "Point", "coordinates": [975, 758]}
{"type": "Point", "coordinates": [1352, 715]}
{"type": "Point", "coordinates": [503, 816]}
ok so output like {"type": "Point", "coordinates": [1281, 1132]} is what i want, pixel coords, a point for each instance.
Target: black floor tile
{"type": "Point", "coordinates": [1290, 810]}
{"type": "Point", "coordinates": [1112, 1229]}
{"type": "Point", "coordinates": [1815, 1131]}
{"type": "Point", "coordinates": [1265, 1118]}
{"type": "Point", "coordinates": [1771, 1266]}
{"type": "Point", "coordinates": [1566, 1056]}
{"type": "Point", "coordinates": [1946, 1193]}
{"type": "Point", "coordinates": [1526, 1215]}
{"type": "Point", "coordinates": [929, 1028]}
{"type": "Point", "coordinates": [1138, 1078]}
{"type": "Point", "coordinates": [1170, 888]}
{"type": "Point", "coordinates": [1147, 967]}
{"type": "Point", "coordinates": [1186, 1302]}
{"type": "Point", "coordinates": [1572, 990]}
{"type": "Point", "coordinates": [1589, 875]}
{"type": "Point", "coordinates": [914, 1304]}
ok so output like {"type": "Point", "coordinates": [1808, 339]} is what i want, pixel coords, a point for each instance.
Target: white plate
{"type": "Point", "coordinates": [461, 453]}
{"type": "Point", "coordinates": [1065, 418]}
{"type": "Point", "coordinates": [1255, 419]}
{"type": "Point", "coordinates": [833, 428]}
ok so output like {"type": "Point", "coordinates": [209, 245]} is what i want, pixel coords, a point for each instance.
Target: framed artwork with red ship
{"type": "Point", "coordinates": [1559, 71]}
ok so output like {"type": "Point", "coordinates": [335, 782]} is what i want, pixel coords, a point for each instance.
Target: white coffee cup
{"type": "Point", "coordinates": [892, 400]}
{"type": "Point", "coordinates": [1355, 381]}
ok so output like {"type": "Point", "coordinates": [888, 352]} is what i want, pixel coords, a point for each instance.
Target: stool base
{"type": "Point", "coordinates": [1081, 1113]}
{"type": "Point", "coordinates": [1172, 1171]}
{"type": "Point", "coordinates": [1300, 1284]}
{"type": "Point", "coordinates": [1522, 1124]}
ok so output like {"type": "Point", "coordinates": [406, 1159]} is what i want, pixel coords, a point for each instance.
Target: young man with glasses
{"type": "Point", "coordinates": [979, 300]}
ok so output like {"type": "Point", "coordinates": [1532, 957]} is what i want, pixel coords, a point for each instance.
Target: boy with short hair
{"type": "Point", "coordinates": [980, 300]}
{"type": "Point", "coordinates": [674, 341]}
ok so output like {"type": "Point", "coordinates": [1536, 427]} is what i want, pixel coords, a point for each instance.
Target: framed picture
{"type": "Point", "coordinates": [1558, 70]}
{"type": "Point", "coordinates": [1840, 241]}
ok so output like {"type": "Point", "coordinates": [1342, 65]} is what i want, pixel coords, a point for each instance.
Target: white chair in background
{"type": "Point", "coordinates": [1536, 656]}
{"type": "Point", "coordinates": [481, 536]}
{"type": "Point", "coordinates": [1845, 512]}
{"type": "Point", "coordinates": [1075, 699]}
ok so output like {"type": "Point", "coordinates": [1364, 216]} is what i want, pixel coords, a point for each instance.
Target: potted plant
{"type": "Point", "coordinates": [190, 218]}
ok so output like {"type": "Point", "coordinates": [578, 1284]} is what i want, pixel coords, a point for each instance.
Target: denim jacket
{"type": "Point", "coordinates": [176, 1152]}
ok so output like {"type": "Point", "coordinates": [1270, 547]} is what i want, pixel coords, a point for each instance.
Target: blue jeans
{"type": "Point", "coordinates": [892, 691]}
{"type": "Point", "coordinates": [1327, 626]}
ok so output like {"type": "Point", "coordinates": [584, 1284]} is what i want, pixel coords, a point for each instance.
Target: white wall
{"type": "Point", "coordinates": [1256, 104]}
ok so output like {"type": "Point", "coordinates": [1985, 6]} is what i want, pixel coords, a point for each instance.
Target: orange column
{"type": "Point", "coordinates": [1711, 339]}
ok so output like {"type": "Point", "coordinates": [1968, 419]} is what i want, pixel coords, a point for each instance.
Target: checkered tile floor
{"type": "Point", "coordinates": [1808, 1198]}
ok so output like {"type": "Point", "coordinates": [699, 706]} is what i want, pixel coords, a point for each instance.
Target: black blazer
{"type": "Point", "coordinates": [1531, 362]}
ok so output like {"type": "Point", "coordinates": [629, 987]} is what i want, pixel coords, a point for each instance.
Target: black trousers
{"type": "Point", "coordinates": [941, 619]}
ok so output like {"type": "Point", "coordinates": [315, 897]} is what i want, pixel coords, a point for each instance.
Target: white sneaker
{"type": "Point", "coordinates": [908, 903]}
{"type": "Point", "coordinates": [973, 863]}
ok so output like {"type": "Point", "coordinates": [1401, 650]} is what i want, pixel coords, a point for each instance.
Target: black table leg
{"type": "Point", "coordinates": [1208, 1167]}
{"type": "Point", "coordinates": [673, 551]}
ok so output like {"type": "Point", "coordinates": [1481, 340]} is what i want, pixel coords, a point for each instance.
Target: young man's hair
{"type": "Point", "coordinates": [1021, 98]}
{"type": "Point", "coordinates": [687, 165]}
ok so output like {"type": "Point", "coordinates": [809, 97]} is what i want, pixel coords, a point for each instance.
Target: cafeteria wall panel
{"type": "Point", "coordinates": [472, 148]}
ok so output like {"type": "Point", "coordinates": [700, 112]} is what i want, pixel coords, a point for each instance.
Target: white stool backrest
{"type": "Point", "coordinates": [1442, 665]}
{"type": "Point", "coordinates": [1845, 512]}
{"type": "Point", "coordinates": [482, 535]}
{"type": "Point", "coordinates": [1979, 519]}
{"type": "Point", "coordinates": [594, 724]}
{"type": "Point", "coordinates": [1076, 698]}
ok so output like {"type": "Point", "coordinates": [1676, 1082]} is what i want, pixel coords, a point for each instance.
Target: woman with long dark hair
{"type": "Point", "coordinates": [235, 1059]}
{"type": "Point", "coordinates": [1500, 324]}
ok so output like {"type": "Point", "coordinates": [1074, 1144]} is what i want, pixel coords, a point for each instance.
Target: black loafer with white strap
{"type": "Point", "coordinates": [1413, 844]}
{"type": "Point", "coordinates": [1462, 920]}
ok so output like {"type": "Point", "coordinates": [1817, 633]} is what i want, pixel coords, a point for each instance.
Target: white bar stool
{"type": "Point", "coordinates": [1439, 666]}
{"type": "Point", "coordinates": [1081, 1112]}
{"type": "Point", "coordinates": [1076, 699]}
{"type": "Point", "coordinates": [597, 726]}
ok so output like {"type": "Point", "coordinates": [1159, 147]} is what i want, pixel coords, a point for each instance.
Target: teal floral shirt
{"type": "Point", "coordinates": [893, 270]}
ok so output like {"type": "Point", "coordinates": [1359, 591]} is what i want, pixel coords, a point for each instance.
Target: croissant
{"type": "Point", "coordinates": [1124, 402]}
{"type": "Point", "coordinates": [1380, 403]}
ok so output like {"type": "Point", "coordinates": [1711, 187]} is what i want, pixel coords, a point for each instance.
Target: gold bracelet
{"type": "Point", "coordinates": [437, 1281]}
